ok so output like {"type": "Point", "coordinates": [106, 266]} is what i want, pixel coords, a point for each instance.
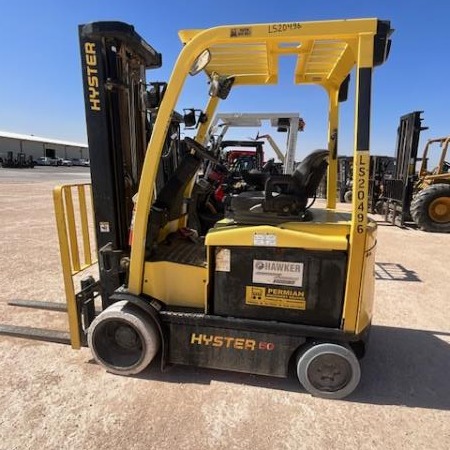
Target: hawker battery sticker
{"type": "Point", "coordinates": [265, 240]}
{"type": "Point", "coordinates": [278, 272]}
{"type": "Point", "coordinates": [275, 297]}
{"type": "Point", "coordinates": [223, 258]}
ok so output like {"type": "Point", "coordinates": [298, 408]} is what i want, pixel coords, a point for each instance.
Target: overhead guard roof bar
{"type": "Point", "coordinates": [326, 51]}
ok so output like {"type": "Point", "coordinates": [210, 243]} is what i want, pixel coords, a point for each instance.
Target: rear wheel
{"type": "Point", "coordinates": [380, 207]}
{"type": "Point", "coordinates": [430, 208]}
{"type": "Point", "coordinates": [123, 339]}
{"type": "Point", "coordinates": [328, 370]}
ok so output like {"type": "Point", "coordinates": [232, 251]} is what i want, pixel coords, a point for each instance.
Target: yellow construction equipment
{"type": "Point", "coordinates": [430, 206]}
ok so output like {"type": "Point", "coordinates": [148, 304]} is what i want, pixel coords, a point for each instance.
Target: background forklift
{"type": "Point", "coordinates": [248, 169]}
{"type": "Point", "coordinates": [20, 161]}
{"type": "Point", "coordinates": [270, 286]}
{"type": "Point", "coordinates": [421, 196]}
{"type": "Point", "coordinates": [381, 167]}
{"type": "Point", "coordinates": [289, 123]}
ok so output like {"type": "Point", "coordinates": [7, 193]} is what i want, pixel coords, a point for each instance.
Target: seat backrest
{"type": "Point", "coordinates": [169, 203]}
{"type": "Point", "coordinates": [310, 171]}
{"type": "Point", "coordinates": [171, 196]}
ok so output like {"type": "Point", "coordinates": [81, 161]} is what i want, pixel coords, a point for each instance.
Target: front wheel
{"type": "Point", "coordinates": [123, 339]}
{"type": "Point", "coordinates": [328, 370]}
{"type": "Point", "coordinates": [430, 208]}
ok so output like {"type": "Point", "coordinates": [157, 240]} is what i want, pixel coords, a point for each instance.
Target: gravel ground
{"type": "Point", "coordinates": [55, 398]}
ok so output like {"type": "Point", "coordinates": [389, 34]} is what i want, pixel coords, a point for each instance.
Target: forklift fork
{"type": "Point", "coordinates": [74, 223]}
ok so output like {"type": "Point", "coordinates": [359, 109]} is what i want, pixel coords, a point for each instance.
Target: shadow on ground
{"type": "Point", "coordinates": [402, 367]}
{"type": "Point", "coordinates": [394, 272]}
{"type": "Point", "coordinates": [381, 221]}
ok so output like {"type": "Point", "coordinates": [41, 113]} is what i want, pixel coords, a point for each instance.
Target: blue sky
{"type": "Point", "coordinates": [40, 76]}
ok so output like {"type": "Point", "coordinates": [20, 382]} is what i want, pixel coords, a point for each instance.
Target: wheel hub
{"type": "Point", "coordinates": [439, 210]}
{"type": "Point", "coordinates": [126, 337]}
{"type": "Point", "coordinates": [329, 372]}
{"type": "Point", "coordinates": [117, 343]}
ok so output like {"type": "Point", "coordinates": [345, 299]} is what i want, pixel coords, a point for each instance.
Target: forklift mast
{"type": "Point", "coordinates": [114, 62]}
{"type": "Point", "coordinates": [398, 190]}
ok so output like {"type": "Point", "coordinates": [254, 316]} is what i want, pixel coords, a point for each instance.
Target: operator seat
{"type": "Point", "coordinates": [285, 196]}
{"type": "Point", "coordinates": [169, 204]}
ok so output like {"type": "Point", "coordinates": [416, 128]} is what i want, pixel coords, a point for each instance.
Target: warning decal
{"type": "Point", "coordinates": [275, 297]}
{"type": "Point", "coordinates": [278, 272]}
{"type": "Point", "coordinates": [223, 260]}
{"type": "Point", "coordinates": [265, 240]}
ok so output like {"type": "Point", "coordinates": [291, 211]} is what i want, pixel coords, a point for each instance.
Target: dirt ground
{"type": "Point", "coordinates": [55, 398]}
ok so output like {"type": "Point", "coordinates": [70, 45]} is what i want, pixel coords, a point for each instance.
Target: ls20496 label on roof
{"type": "Point", "coordinates": [283, 27]}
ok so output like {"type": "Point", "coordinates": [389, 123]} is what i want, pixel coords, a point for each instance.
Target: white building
{"type": "Point", "coordinates": [37, 146]}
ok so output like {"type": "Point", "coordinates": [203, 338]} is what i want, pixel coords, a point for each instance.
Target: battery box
{"type": "Point", "coordinates": [281, 284]}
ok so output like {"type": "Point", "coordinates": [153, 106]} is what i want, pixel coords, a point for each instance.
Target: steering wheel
{"type": "Point", "coordinates": [200, 150]}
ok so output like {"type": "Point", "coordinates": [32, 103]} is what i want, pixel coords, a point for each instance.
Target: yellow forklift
{"type": "Point", "coordinates": [275, 284]}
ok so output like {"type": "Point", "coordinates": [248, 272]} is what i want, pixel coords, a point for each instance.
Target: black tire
{"type": "Point", "coordinates": [123, 339]}
{"type": "Point", "coordinates": [430, 208]}
{"type": "Point", "coordinates": [328, 370]}
{"type": "Point", "coordinates": [380, 208]}
{"type": "Point", "coordinates": [348, 197]}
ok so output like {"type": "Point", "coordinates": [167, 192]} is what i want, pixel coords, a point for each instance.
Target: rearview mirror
{"type": "Point", "coordinates": [200, 63]}
{"type": "Point", "coordinates": [193, 117]}
{"type": "Point", "coordinates": [189, 118]}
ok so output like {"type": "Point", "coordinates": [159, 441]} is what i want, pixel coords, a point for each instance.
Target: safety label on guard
{"type": "Point", "coordinates": [277, 272]}
{"type": "Point", "coordinates": [275, 297]}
